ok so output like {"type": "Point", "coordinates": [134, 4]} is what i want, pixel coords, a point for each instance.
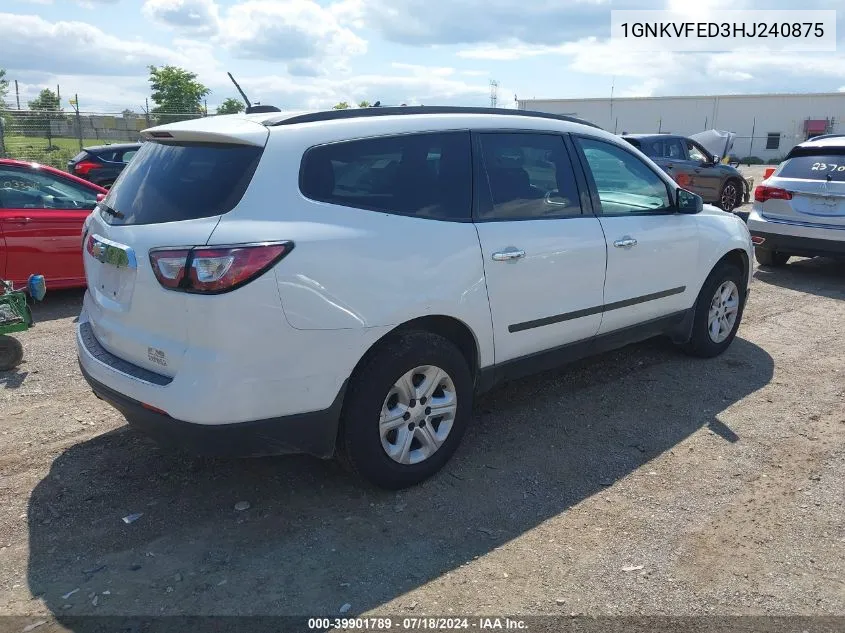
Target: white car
{"type": "Point", "coordinates": [344, 283]}
{"type": "Point", "coordinates": [800, 209]}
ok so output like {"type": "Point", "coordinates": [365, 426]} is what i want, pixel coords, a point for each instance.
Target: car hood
{"type": "Point", "coordinates": [718, 142]}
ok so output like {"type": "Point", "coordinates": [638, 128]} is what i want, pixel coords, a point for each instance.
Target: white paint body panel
{"type": "Point", "coordinates": [285, 342]}
{"type": "Point", "coordinates": [664, 258]}
{"type": "Point", "coordinates": [562, 272]}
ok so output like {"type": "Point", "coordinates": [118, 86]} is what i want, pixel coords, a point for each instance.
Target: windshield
{"type": "Point", "coordinates": [819, 167]}
{"type": "Point", "coordinates": [169, 182]}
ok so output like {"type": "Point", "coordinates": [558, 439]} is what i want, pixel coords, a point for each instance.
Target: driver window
{"type": "Point", "coordinates": [28, 189]}
{"type": "Point", "coordinates": [529, 177]}
{"type": "Point", "coordinates": [696, 154]}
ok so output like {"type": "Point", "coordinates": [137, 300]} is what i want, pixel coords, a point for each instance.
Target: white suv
{"type": "Point", "coordinates": [800, 208]}
{"type": "Point", "coordinates": [344, 283]}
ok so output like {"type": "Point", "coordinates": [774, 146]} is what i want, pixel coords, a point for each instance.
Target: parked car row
{"type": "Point", "coordinates": [522, 240]}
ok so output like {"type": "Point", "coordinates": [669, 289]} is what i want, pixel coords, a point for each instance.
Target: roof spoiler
{"type": "Point", "coordinates": [252, 109]}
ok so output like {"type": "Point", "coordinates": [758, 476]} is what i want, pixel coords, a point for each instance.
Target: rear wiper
{"type": "Point", "coordinates": [112, 212]}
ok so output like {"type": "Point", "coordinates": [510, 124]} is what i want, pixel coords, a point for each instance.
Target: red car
{"type": "Point", "coordinates": [42, 210]}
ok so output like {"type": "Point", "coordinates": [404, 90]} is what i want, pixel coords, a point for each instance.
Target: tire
{"type": "Point", "coordinates": [373, 391]}
{"type": "Point", "coordinates": [766, 257]}
{"type": "Point", "coordinates": [11, 353]}
{"type": "Point", "coordinates": [730, 197]}
{"type": "Point", "coordinates": [702, 342]}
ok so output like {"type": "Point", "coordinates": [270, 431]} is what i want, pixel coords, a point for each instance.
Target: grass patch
{"type": "Point", "coordinates": [36, 149]}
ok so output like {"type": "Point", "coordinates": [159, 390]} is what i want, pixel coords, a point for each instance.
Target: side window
{"type": "Point", "coordinates": [425, 175]}
{"type": "Point", "coordinates": [529, 176]}
{"type": "Point", "coordinates": [128, 154]}
{"type": "Point", "coordinates": [29, 189]}
{"type": "Point", "coordinates": [695, 153]}
{"type": "Point", "coordinates": [625, 184]}
{"type": "Point", "coordinates": [674, 149]}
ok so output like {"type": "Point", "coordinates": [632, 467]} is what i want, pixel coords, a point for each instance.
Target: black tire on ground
{"type": "Point", "coordinates": [11, 352]}
{"type": "Point", "coordinates": [701, 344]}
{"type": "Point", "coordinates": [766, 257]}
{"type": "Point", "coordinates": [359, 441]}
{"type": "Point", "coordinates": [730, 197]}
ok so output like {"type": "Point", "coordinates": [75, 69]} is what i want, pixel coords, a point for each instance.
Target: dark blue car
{"type": "Point", "coordinates": [102, 164]}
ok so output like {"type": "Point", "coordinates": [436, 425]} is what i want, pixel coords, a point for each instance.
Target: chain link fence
{"type": "Point", "coordinates": [53, 137]}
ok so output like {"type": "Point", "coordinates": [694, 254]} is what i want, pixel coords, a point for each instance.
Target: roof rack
{"type": "Point", "coordinates": [353, 113]}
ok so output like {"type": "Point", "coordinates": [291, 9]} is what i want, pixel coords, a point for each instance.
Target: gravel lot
{"type": "Point", "coordinates": [640, 482]}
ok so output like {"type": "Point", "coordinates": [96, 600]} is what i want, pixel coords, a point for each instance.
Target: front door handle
{"type": "Point", "coordinates": [625, 242]}
{"type": "Point", "coordinates": [507, 255]}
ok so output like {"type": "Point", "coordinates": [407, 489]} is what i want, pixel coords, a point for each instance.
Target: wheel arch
{"type": "Point", "coordinates": [739, 258]}
{"type": "Point", "coordinates": [450, 328]}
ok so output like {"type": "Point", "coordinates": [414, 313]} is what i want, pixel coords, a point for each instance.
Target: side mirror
{"type": "Point", "coordinates": [101, 197]}
{"type": "Point", "coordinates": [688, 202]}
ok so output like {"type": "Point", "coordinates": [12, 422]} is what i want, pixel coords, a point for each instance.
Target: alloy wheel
{"type": "Point", "coordinates": [729, 198]}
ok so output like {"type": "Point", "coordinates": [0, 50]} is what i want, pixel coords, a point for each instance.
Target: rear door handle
{"type": "Point", "coordinates": [509, 254]}
{"type": "Point", "coordinates": [625, 242]}
{"type": "Point", "coordinates": [19, 220]}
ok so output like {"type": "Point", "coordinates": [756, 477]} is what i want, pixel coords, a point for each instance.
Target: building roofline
{"type": "Point", "coordinates": [664, 97]}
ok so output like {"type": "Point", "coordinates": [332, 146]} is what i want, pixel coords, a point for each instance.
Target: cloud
{"type": "Point", "coordinates": [409, 87]}
{"type": "Point", "coordinates": [301, 32]}
{"type": "Point", "coordinates": [421, 22]}
{"type": "Point", "coordinates": [192, 16]}
{"type": "Point", "coordinates": [31, 43]}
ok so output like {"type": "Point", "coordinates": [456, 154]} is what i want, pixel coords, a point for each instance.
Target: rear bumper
{"type": "Point", "coordinates": [800, 246]}
{"type": "Point", "coordinates": [312, 433]}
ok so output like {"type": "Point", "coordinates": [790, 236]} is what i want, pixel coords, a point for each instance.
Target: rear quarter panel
{"type": "Point", "coordinates": [353, 268]}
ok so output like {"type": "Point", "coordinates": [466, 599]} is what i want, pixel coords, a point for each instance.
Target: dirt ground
{"type": "Point", "coordinates": [640, 482]}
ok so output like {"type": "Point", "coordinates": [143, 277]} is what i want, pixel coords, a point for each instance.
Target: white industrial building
{"type": "Point", "coordinates": [766, 125]}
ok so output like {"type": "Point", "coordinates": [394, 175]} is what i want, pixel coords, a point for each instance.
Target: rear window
{"type": "Point", "coordinates": [819, 167]}
{"type": "Point", "coordinates": [79, 156]}
{"type": "Point", "coordinates": [426, 175]}
{"type": "Point", "coordinates": [169, 182]}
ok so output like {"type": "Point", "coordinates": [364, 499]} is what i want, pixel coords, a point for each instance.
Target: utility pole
{"type": "Point", "coordinates": [751, 142]}
{"type": "Point", "coordinates": [75, 104]}
{"type": "Point", "coordinates": [58, 94]}
{"type": "Point", "coordinates": [147, 111]}
{"type": "Point", "coordinates": [494, 93]}
{"type": "Point", "coordinates": [612, 86]}
{"type": "Point", "coordinates": [17, 94]}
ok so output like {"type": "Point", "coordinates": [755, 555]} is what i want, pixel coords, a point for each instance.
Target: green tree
{"type": "Point", "coordinates": [231, 106]}
{"type": "Point", "coordinates": [364, 104]}
{"type": "Point", "coordinates": [4, 87]}
{"type": "Point", "coordinates": [177, 93]}
{"type": "Point", "coordinates": [341, 106]}
{"type": "Point", "coordinates": [44, 109]}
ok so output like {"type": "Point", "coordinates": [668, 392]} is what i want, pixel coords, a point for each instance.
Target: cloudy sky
{"type": "Point", "coordinates": [314, 53]}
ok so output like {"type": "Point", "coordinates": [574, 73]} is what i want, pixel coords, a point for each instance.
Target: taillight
{"type": "Point", "coordinates": [82, 168]}
{"type": "Point", "coordinates": [215, 269]}
{"type": "Point", "coordinates": [169, 266]}
{"type": "Point", "coordinates": [763, 193]}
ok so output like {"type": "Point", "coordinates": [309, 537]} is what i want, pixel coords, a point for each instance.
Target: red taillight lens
{"type": "Point", "coordinates": [169, 266]}
{"type": "Point", "coordinates": [763, 193]}
{"type": "Point", "coordinates": [82, 169]}
{"type": "Point", "coordinates": [214, 270]}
